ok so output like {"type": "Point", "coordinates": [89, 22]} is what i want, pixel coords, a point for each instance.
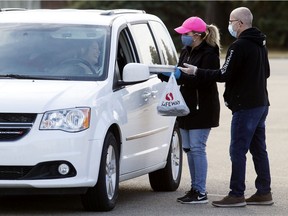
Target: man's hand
{"type": "Point", "coordinates": [189, 69]}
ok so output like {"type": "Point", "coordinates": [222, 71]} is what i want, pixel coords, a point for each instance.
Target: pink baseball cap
{"type": "Point", "coordinates": [192, 24]}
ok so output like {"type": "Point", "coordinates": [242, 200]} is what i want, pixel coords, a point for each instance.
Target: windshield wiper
{"type": "Point", "coordinates": [17, 76]}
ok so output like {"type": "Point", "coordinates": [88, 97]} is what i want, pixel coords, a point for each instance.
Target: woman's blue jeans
{"type": "Point", "coordinates": [194, 144]}
{"type": "Point", "coordinates": [248, 133]}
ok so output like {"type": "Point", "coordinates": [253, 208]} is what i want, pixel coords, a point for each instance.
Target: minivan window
{"type": "Point", "coordinates": [166, 45]}
{"type": "Point", "coordinates": [50, 51]}
{"type": "Point", "coordinates": [145, 43]}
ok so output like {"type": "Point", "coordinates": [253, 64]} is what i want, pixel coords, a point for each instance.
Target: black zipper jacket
{"type": "Point", "coordinates": [244, 72]}
{"type": "Point", "coordinates": [201, 97]}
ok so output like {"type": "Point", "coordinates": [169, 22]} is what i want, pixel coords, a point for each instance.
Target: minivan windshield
{"type": "Point", "coordinates": [53, 51]}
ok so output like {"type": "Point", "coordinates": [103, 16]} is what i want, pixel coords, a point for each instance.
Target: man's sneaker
{"type": "Point", "coordinates": [230, 201]}
{"type": "Point", "coordinates": [260, 199]}
{"type": "Point", "coordinates": [194, 198]}
{"type": "Point", "coordinates": [187, 194]}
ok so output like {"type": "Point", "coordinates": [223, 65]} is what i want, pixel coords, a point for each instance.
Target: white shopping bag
{"type": "Point", "coordinates": [172, 102]}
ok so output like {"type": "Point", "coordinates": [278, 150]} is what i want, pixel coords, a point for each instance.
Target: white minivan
{"type": "Point", "coordinates": [78, 92]}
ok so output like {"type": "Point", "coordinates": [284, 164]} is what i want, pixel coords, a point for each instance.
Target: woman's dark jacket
{"type": "Point", "coordinates": [201, 97]}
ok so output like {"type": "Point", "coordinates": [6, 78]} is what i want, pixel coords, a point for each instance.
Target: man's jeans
{"type": "Point", "coordinates": [248, 133]}
{"type": "Point", "coordinates": [194, 144]}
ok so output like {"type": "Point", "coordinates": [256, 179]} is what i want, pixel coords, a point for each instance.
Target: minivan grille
{"type": "Point", "coordinates": [14, 172]}
{"type": "Point", "coordinates": [14, 126]}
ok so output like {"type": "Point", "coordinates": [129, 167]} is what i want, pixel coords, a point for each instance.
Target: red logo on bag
{"type": "Point", "coordinates": [169, 96]}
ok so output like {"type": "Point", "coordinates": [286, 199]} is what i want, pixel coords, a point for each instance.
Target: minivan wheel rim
{"type": "Point", "coordinates": [175, 155]}
{"type": "Point", "coordinates": [110, 172]}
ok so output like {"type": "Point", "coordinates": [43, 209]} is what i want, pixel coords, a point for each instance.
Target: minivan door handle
{"type": "Point", "coordinates": [154, 93]}
{"type": "Point", "coordinates": [146, 95]}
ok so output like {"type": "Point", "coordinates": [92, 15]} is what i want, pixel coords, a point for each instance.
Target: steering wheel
{"type": "Point", "coordinates": [79, 61]}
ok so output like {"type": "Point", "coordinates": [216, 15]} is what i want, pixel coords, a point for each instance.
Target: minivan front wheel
{"type": "Point", "coordinates": [103, 196]}
{"type": "Point", "coordinates": [168, 178]}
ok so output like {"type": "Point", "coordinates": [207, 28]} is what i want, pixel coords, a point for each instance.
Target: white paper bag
{"type": "Point", "coordinates": [172, 102]}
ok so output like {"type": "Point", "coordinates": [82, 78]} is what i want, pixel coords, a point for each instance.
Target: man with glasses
{"type": "Point", "coordinates": [245, 74]}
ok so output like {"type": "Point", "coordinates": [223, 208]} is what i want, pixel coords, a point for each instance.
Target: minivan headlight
{"type": "Point", "coordinates": [70, 120]}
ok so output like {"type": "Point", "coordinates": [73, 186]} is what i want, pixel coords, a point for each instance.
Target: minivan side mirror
{"type": "Point", "coordinates": [134, 73]}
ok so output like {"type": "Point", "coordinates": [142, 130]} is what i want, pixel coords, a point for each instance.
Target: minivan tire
{"type": "Point", "coordinates": [103, 196]}
{"type": "Point", "coordinates": [168, 178]}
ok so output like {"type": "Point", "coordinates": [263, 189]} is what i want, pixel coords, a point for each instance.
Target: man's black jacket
{"type": "Point", "coordinates": [244, 72]}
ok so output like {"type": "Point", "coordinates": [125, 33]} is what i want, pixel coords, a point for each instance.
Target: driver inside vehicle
{"type": "Point", "coordinates": [91, 53]}
{"type": "Point", "coordinates": [85, 61]}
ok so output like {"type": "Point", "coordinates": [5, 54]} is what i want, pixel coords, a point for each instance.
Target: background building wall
{"type": "Point", "coordinates": [34, 4]}
{"type": "Point", "coordinates": [20, 4]}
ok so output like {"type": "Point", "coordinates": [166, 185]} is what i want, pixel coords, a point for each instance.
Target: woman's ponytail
{"type": "Point", "coordinates": [212, 36]}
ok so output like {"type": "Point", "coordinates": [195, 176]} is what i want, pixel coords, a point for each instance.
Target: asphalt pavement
{"type": "Point", "coordinates": [137, 198]}
{"type": "Point", "coordinates": [219, 167]}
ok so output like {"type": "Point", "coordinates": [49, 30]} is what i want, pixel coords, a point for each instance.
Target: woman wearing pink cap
{"type": "Point", "coordinates": [201, 48]}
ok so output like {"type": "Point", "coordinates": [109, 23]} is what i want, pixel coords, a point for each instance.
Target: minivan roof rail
{"type": "Point", "coordinates": [122, 11]}
{"type": "Point", "coordinates": [12, 9]}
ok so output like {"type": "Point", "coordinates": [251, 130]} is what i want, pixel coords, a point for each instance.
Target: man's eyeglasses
{"type": "Point", "coordinates": [231, 21]}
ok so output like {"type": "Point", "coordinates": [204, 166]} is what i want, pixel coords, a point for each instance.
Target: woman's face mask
{"type": "Point", "coordinates": [187, 40]}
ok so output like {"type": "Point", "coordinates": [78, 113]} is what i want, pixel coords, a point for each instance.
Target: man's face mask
{"type": "Point", "coordinates": [232, 32]}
